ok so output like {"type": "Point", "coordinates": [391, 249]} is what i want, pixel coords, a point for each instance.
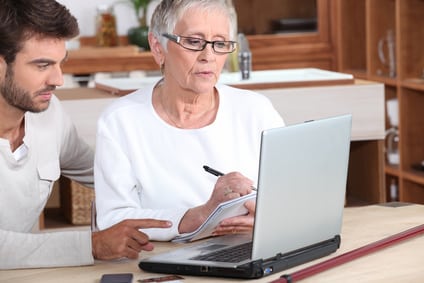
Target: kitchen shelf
{"type": "Point", "coordinates": [363, 25]}
{"type": "Point", "coordinates": [391, 170]}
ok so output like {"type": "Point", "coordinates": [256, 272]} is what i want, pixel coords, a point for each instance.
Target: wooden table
{"type": "Point", "coordinates": [361, 225]}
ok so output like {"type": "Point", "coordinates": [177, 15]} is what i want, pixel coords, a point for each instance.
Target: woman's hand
{"type": "Point", "coordinates": [227, 187]}
{"type": "Point", "coordinates": [238, 224]}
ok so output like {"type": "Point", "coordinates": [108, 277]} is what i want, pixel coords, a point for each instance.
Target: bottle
{"type": "Point", "coordinates": [244, 57]}
{"type": "Point", "coordinates": [392, 137]}
{"type": "Point", "coordinates": [106, 34]}
{"type": "Point", "coordinates": [393, 190]}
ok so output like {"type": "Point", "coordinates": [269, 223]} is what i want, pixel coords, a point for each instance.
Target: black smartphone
{"type": "Point", "coordinates": [117, 278]}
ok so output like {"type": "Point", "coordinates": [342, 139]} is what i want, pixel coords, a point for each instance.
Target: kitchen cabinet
{"type": "Point", "coordinates": [269, 51]}
{"type": "Point", "coordinates": [365, 26]}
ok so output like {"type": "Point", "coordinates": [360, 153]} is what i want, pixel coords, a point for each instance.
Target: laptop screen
{"type": "Point", "coordinates": [302, 178]}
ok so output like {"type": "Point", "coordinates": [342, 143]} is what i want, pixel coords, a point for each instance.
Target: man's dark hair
{"type": "Point", "coordinates": [21, 20]}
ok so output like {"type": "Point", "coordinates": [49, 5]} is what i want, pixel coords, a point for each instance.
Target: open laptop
{"type": "Point", "coordinates": [299, 206]}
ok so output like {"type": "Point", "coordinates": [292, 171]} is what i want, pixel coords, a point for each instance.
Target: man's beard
{"type": "Point", "coordinates": [18, 97]}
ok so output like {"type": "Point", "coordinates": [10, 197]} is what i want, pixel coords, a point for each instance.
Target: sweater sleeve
{"type": "Point", "coordinates": [48, 249]}
{"type": "Point", "coordinates": [118, 191]}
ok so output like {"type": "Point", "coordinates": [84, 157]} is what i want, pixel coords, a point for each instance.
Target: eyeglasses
{"type": "Point", "coordinates": [198, 44]}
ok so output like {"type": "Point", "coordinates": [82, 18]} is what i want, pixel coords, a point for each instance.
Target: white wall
{"type": "Point", "coordinates": [85, 12]}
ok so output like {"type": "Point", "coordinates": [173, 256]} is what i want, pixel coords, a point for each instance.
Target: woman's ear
{"type": "Point", "coordinates": [156, 49]}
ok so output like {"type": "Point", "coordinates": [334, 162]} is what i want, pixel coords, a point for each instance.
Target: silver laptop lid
{"type": "Point", "coordinates": [302, 179]}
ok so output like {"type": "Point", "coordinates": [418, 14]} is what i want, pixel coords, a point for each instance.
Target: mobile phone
{"type": "Point", "coordinates": [117, 278]}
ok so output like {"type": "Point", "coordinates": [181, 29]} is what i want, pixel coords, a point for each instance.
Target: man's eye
{"type": "Point", "coordinates": [42, 66]}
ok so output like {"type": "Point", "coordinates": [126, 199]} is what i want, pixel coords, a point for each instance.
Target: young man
{"type": "Point", "coordinates": [38, 143]}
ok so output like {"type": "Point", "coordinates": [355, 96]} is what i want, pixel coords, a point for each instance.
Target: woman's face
{"type": "Point", "coordinates": [197, 71]}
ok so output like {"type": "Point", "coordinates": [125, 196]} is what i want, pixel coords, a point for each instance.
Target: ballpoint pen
{"type": "Point", "coordinates": [217, 173]}
{"type": "Point", "coordinates": [212, 171]}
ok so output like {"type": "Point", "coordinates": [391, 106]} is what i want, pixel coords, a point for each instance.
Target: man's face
{"type": "Point", "coordinates": [29, 81]}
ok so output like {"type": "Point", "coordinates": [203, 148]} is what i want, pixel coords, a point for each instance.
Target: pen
{"type": "Point", "coordinates": [212, 171]}
{"type": "Point", "coordinates": [217, 173]}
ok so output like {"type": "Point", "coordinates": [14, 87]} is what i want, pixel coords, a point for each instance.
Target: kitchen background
{"type": "Point", "coordinates": [85, 11]}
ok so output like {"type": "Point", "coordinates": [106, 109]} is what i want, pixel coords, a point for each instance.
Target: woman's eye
{"type": "Point", "coordinates": [220, 44]}
{"type": "Point", "coordinates": [194, 41]}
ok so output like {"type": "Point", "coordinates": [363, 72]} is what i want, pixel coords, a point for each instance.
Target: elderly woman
{"type": "Point", "coordinates": [152, 144]}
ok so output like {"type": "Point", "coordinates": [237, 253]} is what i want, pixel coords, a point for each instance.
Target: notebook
{"type": "Point", "coordinates": [227, 209]}
{"type": "Point", "coordinates": [299, 207]}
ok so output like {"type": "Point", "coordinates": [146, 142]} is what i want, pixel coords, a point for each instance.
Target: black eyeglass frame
{"type": "Point", "coordinates": [177, 40]}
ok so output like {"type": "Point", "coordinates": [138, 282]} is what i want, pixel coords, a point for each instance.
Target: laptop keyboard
{"type": "Point", "coordinates": [231, 254]}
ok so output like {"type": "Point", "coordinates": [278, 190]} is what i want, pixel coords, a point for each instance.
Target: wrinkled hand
{"type": "Point", "coordinates": [238, 224]}
{"type": "Point", "coordinates": [124, 239]}
{"type": "Point", "coordinates": [229, 186]}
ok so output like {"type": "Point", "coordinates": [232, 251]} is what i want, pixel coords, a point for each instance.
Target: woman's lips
{"type": "Point", "coordinates": [206, 74]}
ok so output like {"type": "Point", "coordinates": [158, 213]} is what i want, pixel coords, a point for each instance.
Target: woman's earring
{"type": "Point", "coordinates": [162, 68]}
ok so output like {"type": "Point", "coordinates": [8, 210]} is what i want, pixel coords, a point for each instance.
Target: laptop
{"type": "Point", "coordinates": [299, 207]}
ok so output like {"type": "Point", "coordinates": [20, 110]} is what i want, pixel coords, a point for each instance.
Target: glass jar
{"type": "Point", "coordinates": [392, 151]}
{"type": "Point", "coordinates": [106, 34]}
